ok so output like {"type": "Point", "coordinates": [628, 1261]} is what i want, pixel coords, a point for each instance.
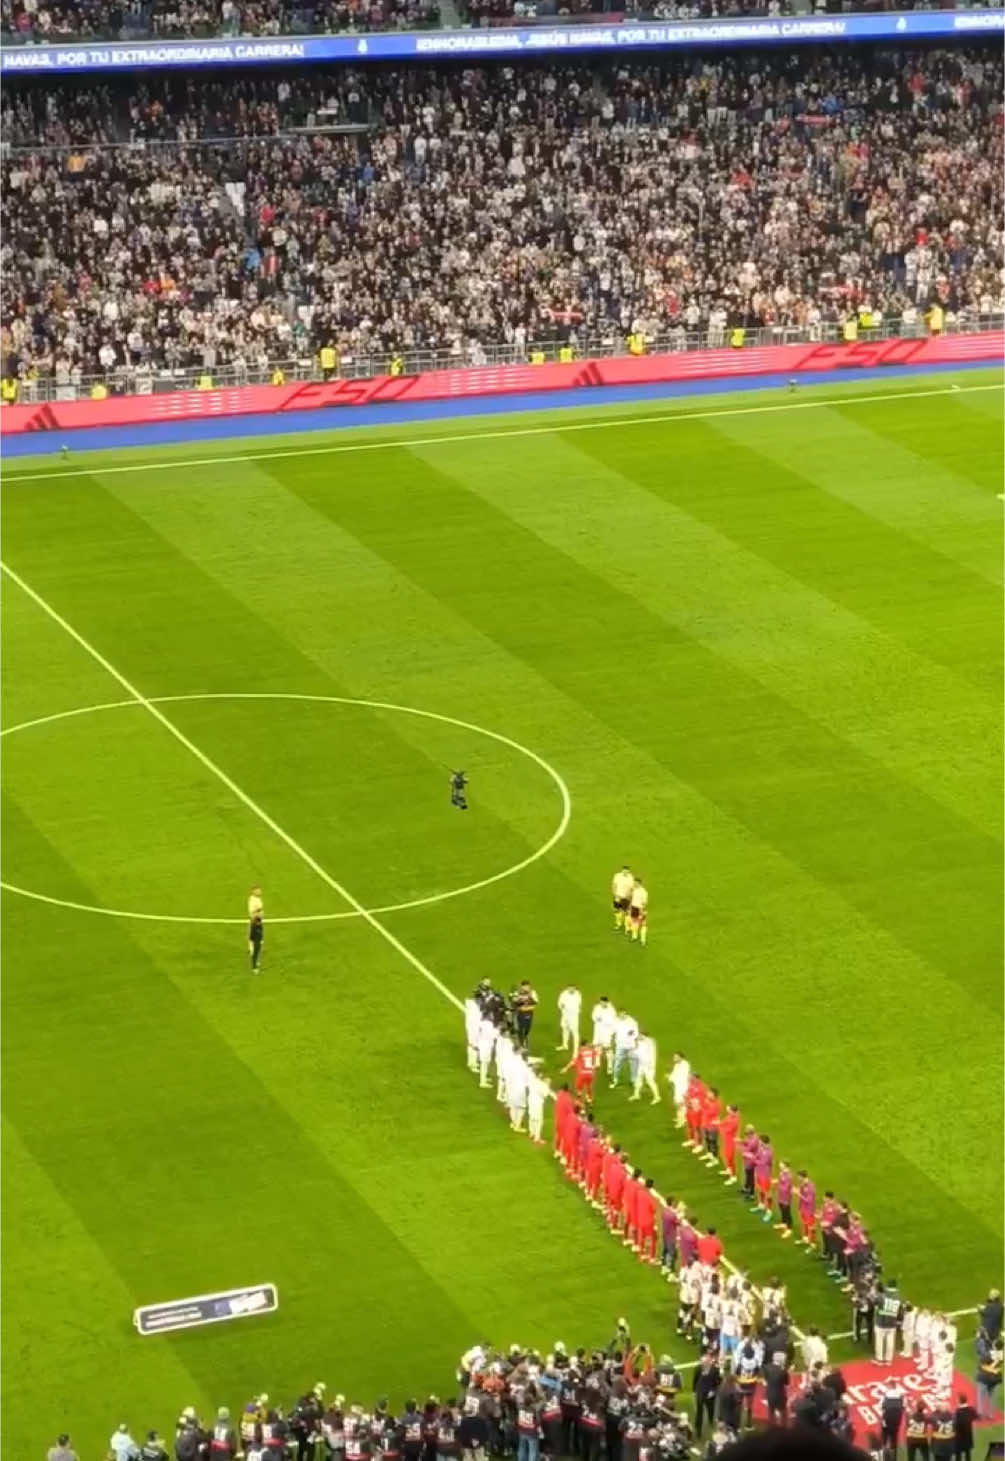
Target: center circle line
{"type": "Point", "coordinates": [517, 867]}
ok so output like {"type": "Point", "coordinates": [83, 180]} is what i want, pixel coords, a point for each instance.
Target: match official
{"type": "Point", "coordinates": [256, 928]}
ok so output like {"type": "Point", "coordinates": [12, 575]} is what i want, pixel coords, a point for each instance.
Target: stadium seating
{"type": "Point", "coordinates": [463, 211]}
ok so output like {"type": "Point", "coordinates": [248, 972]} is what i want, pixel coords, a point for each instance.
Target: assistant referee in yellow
{"type": "Point", "coordinates": [256, 928]}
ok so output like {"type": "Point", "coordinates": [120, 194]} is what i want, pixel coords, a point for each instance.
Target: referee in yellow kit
{"type": "Point", "coordinates": [256, 928]}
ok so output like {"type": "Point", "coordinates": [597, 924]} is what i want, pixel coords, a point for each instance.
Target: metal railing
{"type": "Point", "coordinates": [363, 365]}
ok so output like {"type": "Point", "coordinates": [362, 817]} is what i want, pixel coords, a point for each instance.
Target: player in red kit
{"type": "Point", "coordinates": [629, 1206]}
{"type": "Point", "coordinates": [594, 1166]}
{"type": "Point", "coordinates": [563, 1109]}
{"type": "Point", "coordinates": [586, 1062]}
{"type": "Point", "coordinates": [645, 1221]}
{"type": "Point", "coordinates": [570, 1139]}
{"type": "Point", "coordinates": [711, 1108]}
{"type": "Point", "coordinates": [729, 1125]}
{"type": "Point", "coordinates": [614, 1190]}
{"type": "Point", "coordinates": [692, 1112]}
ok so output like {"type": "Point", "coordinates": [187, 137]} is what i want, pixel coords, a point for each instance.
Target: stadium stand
{"type": "Point", "coordinates": [28, 22]}
{"type": "Point", "coordinates": [467, 211]}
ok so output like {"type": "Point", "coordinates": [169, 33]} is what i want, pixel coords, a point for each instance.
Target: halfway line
{"type": "Point", "coordinates": [666, 417]}
{"type": "Point", "coordinates": [233, 787]}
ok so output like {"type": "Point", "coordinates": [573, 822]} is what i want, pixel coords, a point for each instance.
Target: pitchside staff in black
{"type": "Point", "coordinates": [458, 781]}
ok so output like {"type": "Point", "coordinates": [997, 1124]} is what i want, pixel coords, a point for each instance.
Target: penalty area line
{"type": "Point", "coordinates": [232, 786]}
{"type": "Point", "coordinates": [666, 418]}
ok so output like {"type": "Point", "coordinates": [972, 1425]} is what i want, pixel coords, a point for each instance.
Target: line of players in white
{"type": "Point", "coordinates": [616, 1035]}
{"type": "Point", "coordinates": [518, 1085]}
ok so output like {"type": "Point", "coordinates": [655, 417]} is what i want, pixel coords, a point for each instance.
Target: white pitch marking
{"type": "Point", "coordinates": [234, 789]}
{"type": "Point", "coordinates": [508, 872]}
{"type": "Point", "coordinates": [668, 417]}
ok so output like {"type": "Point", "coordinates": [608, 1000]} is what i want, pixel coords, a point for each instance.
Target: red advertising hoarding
{"type": "Point", "coordinates": [498, 380]}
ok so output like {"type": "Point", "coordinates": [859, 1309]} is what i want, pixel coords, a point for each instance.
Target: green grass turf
{"type": "Point", "coordinates": [762, 647]}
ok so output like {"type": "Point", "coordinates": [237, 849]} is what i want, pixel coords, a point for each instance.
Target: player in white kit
{"type": "Point", "coordinates": [537, 1096]}
{"type": "Point", "coordinates": [570, 1002]}
{"type": "Point", "coordinates": [487, 1034]}
{"type": "Point", "coordinates": [505, 1053]}
{"type": "Point", "coordinates": [605, 1019]}
{"type": "Point", "coordinates": [472, 1022]}
{"type": "Point", "coordinates": [516, 1090]}
{"type": "Point", "coordinates": [645, 1068]}
{"type": "Point", "coordinates": [680, 1074]}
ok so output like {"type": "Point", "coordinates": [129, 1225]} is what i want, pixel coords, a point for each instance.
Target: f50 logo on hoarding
{"type": "Point", "coordinates": [862, 353]}
{"type": "Point", "coordinates": [313, 394]}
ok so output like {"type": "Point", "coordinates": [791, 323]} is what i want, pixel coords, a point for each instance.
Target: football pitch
{"type": "Point", "coordinates": [750, 646]}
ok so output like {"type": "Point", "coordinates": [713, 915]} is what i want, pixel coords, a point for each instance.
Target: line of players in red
{"type": "Point", "coordinates": [713, 1134]}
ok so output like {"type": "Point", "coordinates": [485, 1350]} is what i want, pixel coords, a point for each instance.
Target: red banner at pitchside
{"type": "Point", "coordinates": [497, 380]}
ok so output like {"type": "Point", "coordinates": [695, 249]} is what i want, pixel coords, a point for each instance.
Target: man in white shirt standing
{"type": "Point", "coordinates": [645, 1068]}
{"type": "Point", "coordinates": [605, 1020]}
{"type": "Point", "coordinates": [680, 1074]}
{"type": "Point", "coordinates": [626, 1033]}
{"type": "Point", "coordinates": [570, 1002]}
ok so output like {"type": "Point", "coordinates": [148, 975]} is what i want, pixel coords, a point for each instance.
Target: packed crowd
{"type": "Point", "coordinates": [622, 1402]}
{"type": "Point", "coordinates": [499, 205]}
{"type": "Point", "coordinates": [50, 22]}
{"type": "Point", "coordinates": [40, 22]}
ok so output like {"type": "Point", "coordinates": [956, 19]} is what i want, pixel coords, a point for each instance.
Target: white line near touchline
{"type": "Point", "coordinates": [666, 417]}
{"type": "Point", "coordinates": [233, 787]}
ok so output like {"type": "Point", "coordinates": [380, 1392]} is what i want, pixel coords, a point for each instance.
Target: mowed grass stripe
{"type": "Point", "coordinates": [274, 550]}
{"type": "Point", "coordinates": [473, 581]}
{"type": "Point", "coordinates": [713, 638]}
{"type": "Point", "coordinates": [202, 1181]}
{"type": "Point", "coordinates": [79, 1310]}
{"type": "Point", "coordinates": [766, 502]}
{"type": "Point", "coordinates": [835, 669]}
{"type": "Point", "coordinates": [934, 487]}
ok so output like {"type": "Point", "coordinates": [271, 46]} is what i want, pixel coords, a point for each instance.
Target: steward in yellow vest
{"type": "Point", "coordinates": [537, 357]}
{"type": "Point", "coordinates": [396, 365]}
{"type": "Point", "coordinates": [849, 330]}
{"type": "Point", "coordinates": [277, 378]}
{"type": "Point", "coordinates": [737, 336]}
{"type": "Point", "coordinates": [566, 355]}
{"type": "Point", "coordinates": [636, 343]}
{"type": "Point", "coordinates": [8, 390]}
{"type": "Point", "coordinates": [204, 383]}
{"type": "Point", "coordinates": [329, 361]}
{"type": "Point", "coordinates": [99, 391]}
